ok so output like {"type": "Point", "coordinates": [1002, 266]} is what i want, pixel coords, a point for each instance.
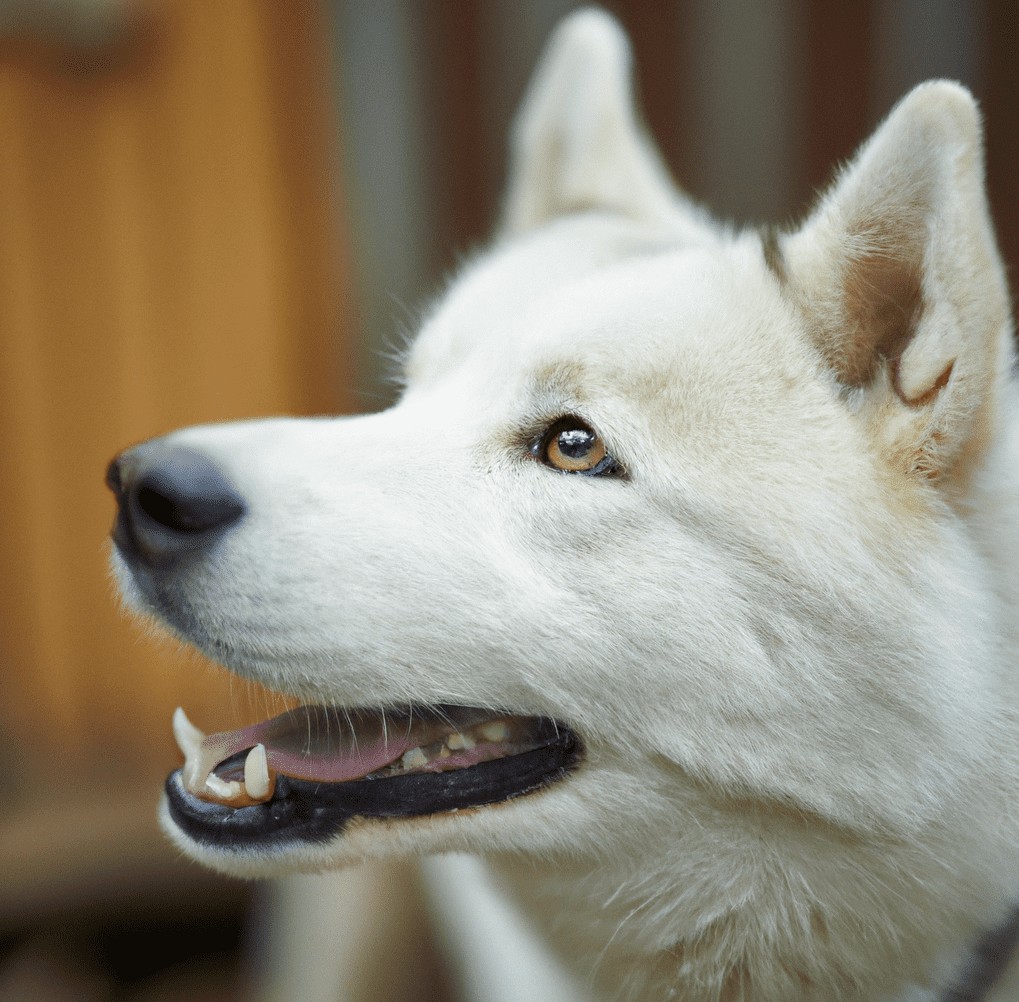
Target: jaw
{"type": "Point", "coordinates": [296, 787]}
{"type": "Point", "coordinates": [383, 809]}
{"type": "Point", "coordinates": [504, 828]}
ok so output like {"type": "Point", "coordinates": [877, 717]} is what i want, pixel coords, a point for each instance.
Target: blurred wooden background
{"type": "Point", "coordinates": [167, 256]}
{"type": "Point", "coordinates": [171, 252]}
{"type": "Point", "coordinates": [214, 209]}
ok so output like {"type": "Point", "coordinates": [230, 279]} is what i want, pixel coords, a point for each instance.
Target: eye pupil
{"type": "Point", "coordinates": [571, 446]}
{"type": "Point", "coordinates": [576, 442]}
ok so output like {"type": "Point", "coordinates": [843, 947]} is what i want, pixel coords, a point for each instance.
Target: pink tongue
{"type": "Point", "coordinates": [316, 743]}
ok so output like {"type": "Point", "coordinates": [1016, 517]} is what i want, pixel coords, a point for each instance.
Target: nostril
{"type": "Point", "coordinates": [172, 502]}
{"type": "Point", "coordinates": [187, 494]}
{"type": "Point", "coordinates": [191, 507]}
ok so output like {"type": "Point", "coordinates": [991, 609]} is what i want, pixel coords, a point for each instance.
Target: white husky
{"type": "Point", "coordinates": [682, 583]}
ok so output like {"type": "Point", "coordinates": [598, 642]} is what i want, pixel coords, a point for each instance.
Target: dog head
{"type": "Point", "coordinates": [678, 557]}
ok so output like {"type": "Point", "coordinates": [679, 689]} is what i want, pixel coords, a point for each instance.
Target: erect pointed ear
{"type": "Point", "coordinates": [576, 143]}
{"type": "Point", "coordinates": [903, 289]}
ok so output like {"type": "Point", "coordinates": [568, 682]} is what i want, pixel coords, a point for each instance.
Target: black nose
{"type": "Point", "coordinates": [172, 501]}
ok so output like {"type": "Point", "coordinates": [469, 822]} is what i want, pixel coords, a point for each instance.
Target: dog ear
{"type": "Point", "coordinates": [899, 277]}
{"type": "Point", "coordinates": [576, 143]}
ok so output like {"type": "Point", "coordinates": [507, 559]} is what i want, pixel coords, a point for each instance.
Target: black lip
{"type": "Point", "coordinates": [303, 811]}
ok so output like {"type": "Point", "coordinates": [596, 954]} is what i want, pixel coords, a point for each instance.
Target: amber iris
{"type": "Point", "coordinates": [574, 449]}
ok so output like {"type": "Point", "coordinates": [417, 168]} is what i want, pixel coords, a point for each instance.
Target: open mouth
{"type": "Point", "coordinates": [303, 775]}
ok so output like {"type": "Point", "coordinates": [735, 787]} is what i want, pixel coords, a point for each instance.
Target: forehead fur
{"type": "Point", "coordinates": [496, 298]}
{"type": "Point", "coordinates": [595, 312]}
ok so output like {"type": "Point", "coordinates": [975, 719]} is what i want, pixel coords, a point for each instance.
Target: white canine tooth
{"type": "Point", "coordinates": [414, 758]}
{"type": "Point", "coordinates": [188, 737]}
{"type": "Point", "coordinates": [495, 730]}
{"type": "Point", "coordinates": [189, 740]}
{"type": "Point", "coordinates": [256, 773]}
{"type": "Point", "coordinates": [222, 789]}
{"type": "Point", "coordinates": [460, 741]}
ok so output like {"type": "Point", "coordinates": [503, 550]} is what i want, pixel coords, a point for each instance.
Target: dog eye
{"type": "Point", "coordinates": [571, 446]}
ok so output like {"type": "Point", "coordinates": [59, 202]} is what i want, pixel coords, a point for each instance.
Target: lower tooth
{"type": "Point", "coordinates": [414, 758]}
{"type": "Point", "coordinates": [256, 773]}
{"type": "Point", "coordinates": [222, 789]}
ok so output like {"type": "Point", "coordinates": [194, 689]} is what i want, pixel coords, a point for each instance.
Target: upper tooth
{"type": "Point", "coordinates": [256, 773]}
{"type": "Point", "coordinates": [457, 741]}
{"type": "Point", "coordinates": [189, 739]}
{"type": "Point", "coordinates": [495, 730]}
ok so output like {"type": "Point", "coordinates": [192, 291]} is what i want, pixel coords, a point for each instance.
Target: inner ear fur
{"type": "Point", "coordinates": [883, 302]}
{"type": "Point", "coordinates": [901, 286]}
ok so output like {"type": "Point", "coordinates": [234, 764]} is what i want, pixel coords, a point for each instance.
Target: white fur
{"type": "Point", "coordinates": [788, 641]}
